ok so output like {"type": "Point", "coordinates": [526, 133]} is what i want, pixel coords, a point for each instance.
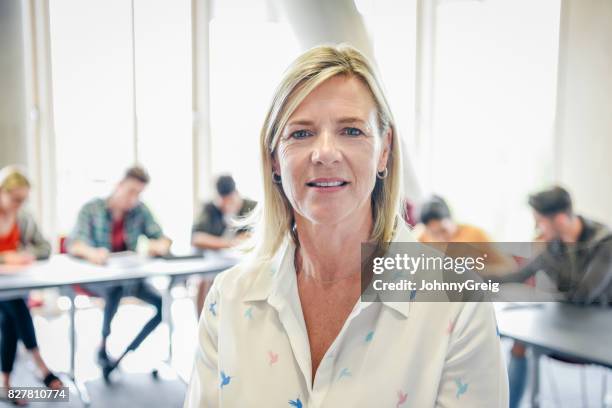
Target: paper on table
{"type": "Point", "coordinates": [125, 259]}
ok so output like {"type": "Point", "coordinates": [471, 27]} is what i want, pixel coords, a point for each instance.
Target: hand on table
{"type": "Point", "coordinates": [159, 247]}
{"type": "Point", "coordinates": [17, 258]}
{"type": "Point", "coordinates": [98, 256]}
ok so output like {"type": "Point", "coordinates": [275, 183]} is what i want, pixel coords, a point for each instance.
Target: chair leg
{"type": "Point", "coordinates": [553, 382]}
{"type": "Point", "coordinates": [604, 389]}
{"type": "Point", "coordinates": [583, 386]}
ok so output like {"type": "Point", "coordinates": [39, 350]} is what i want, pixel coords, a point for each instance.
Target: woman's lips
{"type": "Point", "coordinates": [327, 184]}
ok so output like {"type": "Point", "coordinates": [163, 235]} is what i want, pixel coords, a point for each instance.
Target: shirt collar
{"type": "Point", "coordinates": [272, 277]}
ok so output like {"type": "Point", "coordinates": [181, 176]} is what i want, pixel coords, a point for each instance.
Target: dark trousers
{"type": "Point", "coordinates": [112, 296]}
{"type": "Point", "coordinates": [15, 323]}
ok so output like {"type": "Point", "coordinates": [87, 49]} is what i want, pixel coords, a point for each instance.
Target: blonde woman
{"type": "Point", "coordinates": [20, 244]}
{"type": "Point", "coordinates": [287, 328]}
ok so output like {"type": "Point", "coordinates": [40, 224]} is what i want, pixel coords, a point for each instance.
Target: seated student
{"type": "Point", "coordinates": [438, 226]}
{"type": "Point", "coordinates": [578, 258]}
{"type": "Point", "coordinates": [211, 230]}
{"type": "Point", "coordinates": [114, 224]}
{"type": "Point", "coordinates": [20, 244]}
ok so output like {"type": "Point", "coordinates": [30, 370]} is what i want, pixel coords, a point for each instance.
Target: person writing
{"type": "Point", "coordinates": [213, 230]}
{"type": "Point", "coordinates": [21, 243]}
{"type": "Point", "coordinates": [114, 224]}
{"type": "Point", "coordinates": [438, 226]}
{"type": "Point", "coordinates": [287, 327]}
{"type": "Point", "coordinates": [577, 258]}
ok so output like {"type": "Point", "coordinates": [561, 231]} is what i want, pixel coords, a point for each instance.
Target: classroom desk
{"type": "Point", "coordinates": [63, 271]}
{"type": "Point", "coordinates": [570, 331]}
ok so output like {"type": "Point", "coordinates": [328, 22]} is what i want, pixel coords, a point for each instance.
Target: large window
{"type": "Point", "coordinates": [249, 50]}
{"type": "Point", "coordinates": [121, 95]}
{"type": "Point", "coordinates": [495, 71]}
{"type": "Point", "coordinates": [392, 27]}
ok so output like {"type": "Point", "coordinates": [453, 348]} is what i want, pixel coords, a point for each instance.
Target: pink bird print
{"type": "Point", "coordinates": [273, 357]}
{"type": "Point", "coordinates": [450, 328]}
{"type": "Point", "coordinates": [401, 398]}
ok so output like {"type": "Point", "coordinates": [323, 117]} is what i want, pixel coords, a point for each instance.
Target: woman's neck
{"type": "Point", "coordinates": [332, 252]}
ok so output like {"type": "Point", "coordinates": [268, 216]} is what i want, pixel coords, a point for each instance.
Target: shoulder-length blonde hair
{"type": "Point", "coordinates": [12, 177]}
{"type": "Point", "coordinates": [273, 219]}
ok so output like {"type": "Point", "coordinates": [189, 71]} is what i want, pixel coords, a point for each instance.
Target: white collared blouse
{"type": "Point", "coordinates": [254, 352]}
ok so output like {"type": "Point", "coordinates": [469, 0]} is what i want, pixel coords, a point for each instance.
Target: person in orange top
{"type": "Point", "coordinates": [20, 244]}
{"type": "Point", "coordinates": [438, 226]}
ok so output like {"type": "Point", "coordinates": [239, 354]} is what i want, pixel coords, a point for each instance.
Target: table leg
{"type": "Point", "coordinates": [167, 318]}
{"type": "Point", "coordinates": [80, 386]}
{"type": "Point", "coordinates": [536, 353]}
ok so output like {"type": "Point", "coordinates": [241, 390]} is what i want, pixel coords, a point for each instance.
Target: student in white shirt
{"type": "Point", "coordinates": [287, 328]}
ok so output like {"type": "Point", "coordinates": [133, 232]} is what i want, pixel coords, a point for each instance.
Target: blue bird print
{"type": "Point", "coordinates": [225, 379]}
{"type": "Point", "coordinates": [296, 403]}
{"type": "Point", "coordinates": [249, 313]}
{"type": "Point", "coordinates": [212, 308]}
{"type": "Point", "coordinates": [413, 294]}
{"type": "Point", "coordinates": [344, 373]}
{"type": "Point", "coordinates": [369, 336]}
{"type": "Point", "coordinates": [497, 331]}
{"type": "Point", "coordinates": [461, 388]}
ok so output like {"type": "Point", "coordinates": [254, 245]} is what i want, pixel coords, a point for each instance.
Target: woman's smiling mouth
{"type": "Point", "coordinates": [327, 184]}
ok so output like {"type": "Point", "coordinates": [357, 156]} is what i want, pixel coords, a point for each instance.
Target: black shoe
{"type": "Point", "coordinates": [106, 372]}
{"type": "Point", "coordinates": [103, 359]}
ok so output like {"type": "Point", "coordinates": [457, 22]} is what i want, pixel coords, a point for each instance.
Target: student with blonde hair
{"type": "Point", "coordinates": [287, 328]}
{"type": "Point", "coordinates": [21, 243]}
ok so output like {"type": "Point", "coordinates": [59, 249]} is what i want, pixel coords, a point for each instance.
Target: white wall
{"type": "Point", "coordinates": [584, 111]}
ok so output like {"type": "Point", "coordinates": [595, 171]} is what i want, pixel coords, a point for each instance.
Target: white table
{"type": "Point", "coordinates": [64, 271]}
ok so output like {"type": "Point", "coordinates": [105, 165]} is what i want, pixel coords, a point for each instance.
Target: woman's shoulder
{"type": "Point", "coordinates": [246, 279]}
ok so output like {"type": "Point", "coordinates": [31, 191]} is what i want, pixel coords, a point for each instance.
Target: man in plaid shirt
{"type": "Point", "coordinates": [114, 224]}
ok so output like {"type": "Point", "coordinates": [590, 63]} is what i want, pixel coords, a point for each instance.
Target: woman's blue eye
{"type": "Point", "coordinates": [351, 131]}
{"type": "Point", "coordinates": [300, 134]}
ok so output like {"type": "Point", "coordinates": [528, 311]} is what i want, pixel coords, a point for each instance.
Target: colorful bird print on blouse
{"type": "Point", "coordinates": [249, 313]}
{"type": "Point", "coordinates": [296, 403]}
{"type": "Point", "coordinates": [497, 330]}
{"type": "Point", "coordinates": [401, 398]}
{"type": "Point", "coordinates": [461, 388]}
{"type": "Point", "coordinates": [369, 337]}
{"type": "Point", "coordinates": [344, 373]}
{"type": "Point", "coordinates": [273, 357]}
{"type": "Point", "coordinates": [212, 308]}
{"type": "Point", "coordinates": [450, 328]}
{"type": "Point", "coordinates": [225, 379]}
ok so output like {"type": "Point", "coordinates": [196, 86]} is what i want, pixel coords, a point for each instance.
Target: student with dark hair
{"type": "Point", "coordinates": [114, 224]}
{"type": "Point", "coordinates": [439, 226]}
{"type": "Point", "coordinates": [578, 258]}
{"type": "Point", "coordinates": [213, 230]}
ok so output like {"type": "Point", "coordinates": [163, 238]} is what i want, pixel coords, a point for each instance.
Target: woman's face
{"type": "Point", "coordinates": [330, 150]}
{"type": "Point", "coordinates": [12, 200]}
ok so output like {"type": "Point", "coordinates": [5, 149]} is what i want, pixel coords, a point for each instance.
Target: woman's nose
{"type": "Point", "coordinates": [326, 149]}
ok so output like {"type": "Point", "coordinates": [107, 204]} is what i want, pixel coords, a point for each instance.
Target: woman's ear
{"type": "Point", "coordinates": [387, 141]}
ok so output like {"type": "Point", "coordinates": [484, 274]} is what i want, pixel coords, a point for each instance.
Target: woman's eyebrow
{"type": "Point", "coordinates": [351, 120]}
{"type": "Point", "coordinates": [301, 122]}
